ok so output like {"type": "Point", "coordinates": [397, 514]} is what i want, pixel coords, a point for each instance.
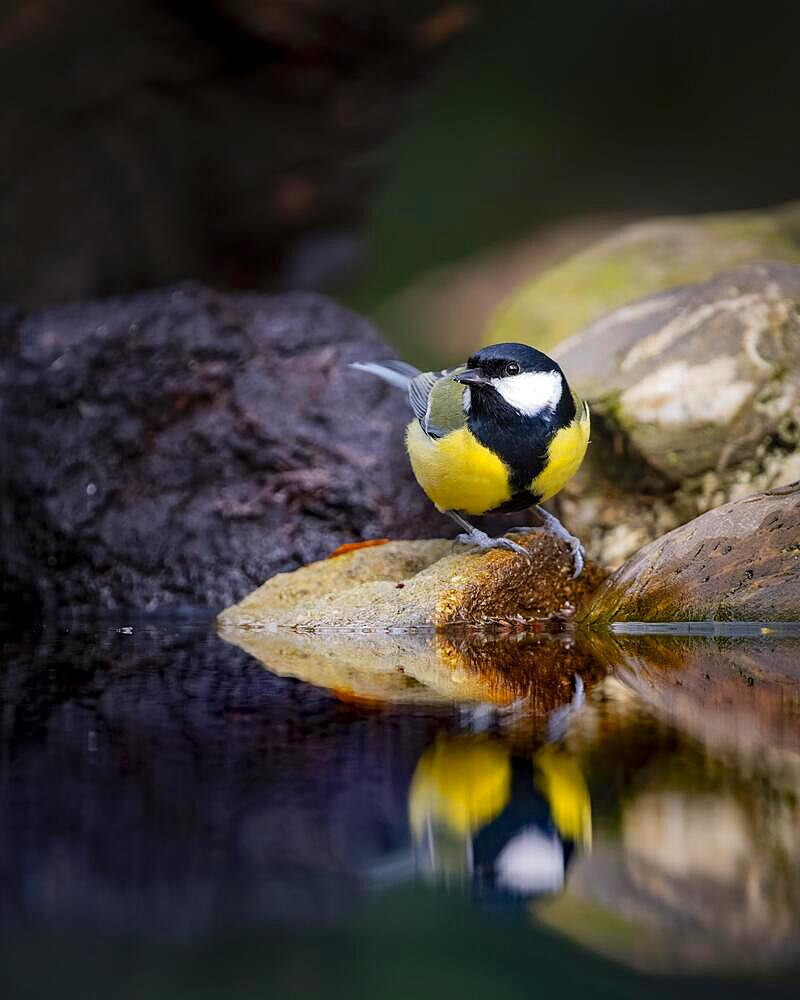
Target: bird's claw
{"type": "Point", "coordinates": [553, 526]}
{"type": "Point", "coordinates": [484, 541]}
{"type": "Point", "coordinates": [578, 557]}
{"type": "Point", "coordinates": [506, 543]}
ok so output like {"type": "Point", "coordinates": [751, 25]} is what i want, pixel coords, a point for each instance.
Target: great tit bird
{"type": "Point", "coordinates": [502, 433]}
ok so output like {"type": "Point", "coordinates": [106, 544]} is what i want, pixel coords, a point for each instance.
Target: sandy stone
{"type": "Point", "coordinates": [420, 584]}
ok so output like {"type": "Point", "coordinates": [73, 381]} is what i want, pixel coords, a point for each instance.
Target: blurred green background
{"type": "Point", "coordinates": [548, 125]}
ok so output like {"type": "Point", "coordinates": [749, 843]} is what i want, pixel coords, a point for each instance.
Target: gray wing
{"type": "Point", "coordinates": [437, 401]}
{"type": "Point", "coordinates": [419, 395]}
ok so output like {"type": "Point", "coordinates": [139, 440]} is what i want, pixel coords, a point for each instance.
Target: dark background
{"type": "Point", "coordinates": [353, 145]}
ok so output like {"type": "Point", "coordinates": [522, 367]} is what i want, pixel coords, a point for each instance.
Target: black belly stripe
{"type": "Point", "coordinates": [521, 500]}
{"type": "Point", "coordinates": [522, 442]}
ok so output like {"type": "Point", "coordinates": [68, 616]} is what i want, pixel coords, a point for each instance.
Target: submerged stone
{"type": "Point", "coordinates": [420, 584]}
{"type": "Point", "coordinates": [705, 732]}
{"type": "Point", "coordinates": [735, 694]}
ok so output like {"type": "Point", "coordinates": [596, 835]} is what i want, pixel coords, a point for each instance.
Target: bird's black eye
{"type": "Point", "coordinates": [512, 368]}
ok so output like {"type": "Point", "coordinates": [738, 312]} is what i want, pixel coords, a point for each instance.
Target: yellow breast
{"type": "Point", "coordinates": [564, 456]}
{"type": "Point", "coordinates": [456, 471]}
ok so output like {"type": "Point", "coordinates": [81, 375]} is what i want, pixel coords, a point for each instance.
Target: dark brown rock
{"type": "Point", "coordinates": [178, 447]}
{"type": "Point", "coordinates": [738, 562]}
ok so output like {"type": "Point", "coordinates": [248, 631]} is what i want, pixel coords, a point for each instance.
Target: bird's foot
{"type": "Point", "coordinates": [484, 541]}
{"type": "Point", "coordinates": [553, 526]}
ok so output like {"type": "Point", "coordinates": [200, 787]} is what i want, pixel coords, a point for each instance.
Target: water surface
{"type": "Point", "coordinates": [496, 816]}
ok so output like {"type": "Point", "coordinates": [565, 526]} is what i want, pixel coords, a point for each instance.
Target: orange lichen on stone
{"type": "Point", "coordinates": [355, 546]}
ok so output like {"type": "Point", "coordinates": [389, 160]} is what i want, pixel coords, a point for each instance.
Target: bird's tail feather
{"type": "Point", "coordinates": [396, 373]}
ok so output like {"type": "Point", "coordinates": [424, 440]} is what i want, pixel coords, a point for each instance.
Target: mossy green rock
{"type": "Point", "coordinates": [640, 259]}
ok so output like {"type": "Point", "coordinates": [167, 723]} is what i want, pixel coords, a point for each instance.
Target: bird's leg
{"type": "Point", "coordinates": [553, 526]}
{"type": "Point", "coordinates": [474, 536]}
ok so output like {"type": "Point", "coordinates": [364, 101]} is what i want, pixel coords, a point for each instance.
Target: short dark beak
{"type": "Point", "coordinates": [470, 377]}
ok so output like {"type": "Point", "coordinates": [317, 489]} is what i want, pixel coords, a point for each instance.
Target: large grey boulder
{"type": "Point", "coordinates": [178, 447]}
{"type": "Point", "coordinates": [695, 395]}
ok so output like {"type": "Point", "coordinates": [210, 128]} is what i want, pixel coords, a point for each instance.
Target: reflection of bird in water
{"type": "Point", "coordinates": [507, 824]}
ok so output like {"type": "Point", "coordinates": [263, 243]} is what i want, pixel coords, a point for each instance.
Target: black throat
{"type": "Point", "coordinates": [521, 441]}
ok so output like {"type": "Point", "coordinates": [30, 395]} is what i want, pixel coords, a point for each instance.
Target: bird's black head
{"type": "Point", "coordinates": [514, 377]}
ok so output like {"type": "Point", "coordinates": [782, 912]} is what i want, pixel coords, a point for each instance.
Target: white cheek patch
{"type": "Point", "coordinates": [467, 400]}
{"type": "Point", "coordinates": [531, 392]}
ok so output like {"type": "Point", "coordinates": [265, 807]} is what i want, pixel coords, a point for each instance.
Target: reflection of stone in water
{"type": "Point", "coordinates": [697, 862]}
{"type": "Point", "coordinates": [372, 668]}
{"type": "Point", "coordinates": [426, 667]}
{"type": "Point", "coordinates": [711, 859]}
{"type": "Point", "coordinates": [741, 696]}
